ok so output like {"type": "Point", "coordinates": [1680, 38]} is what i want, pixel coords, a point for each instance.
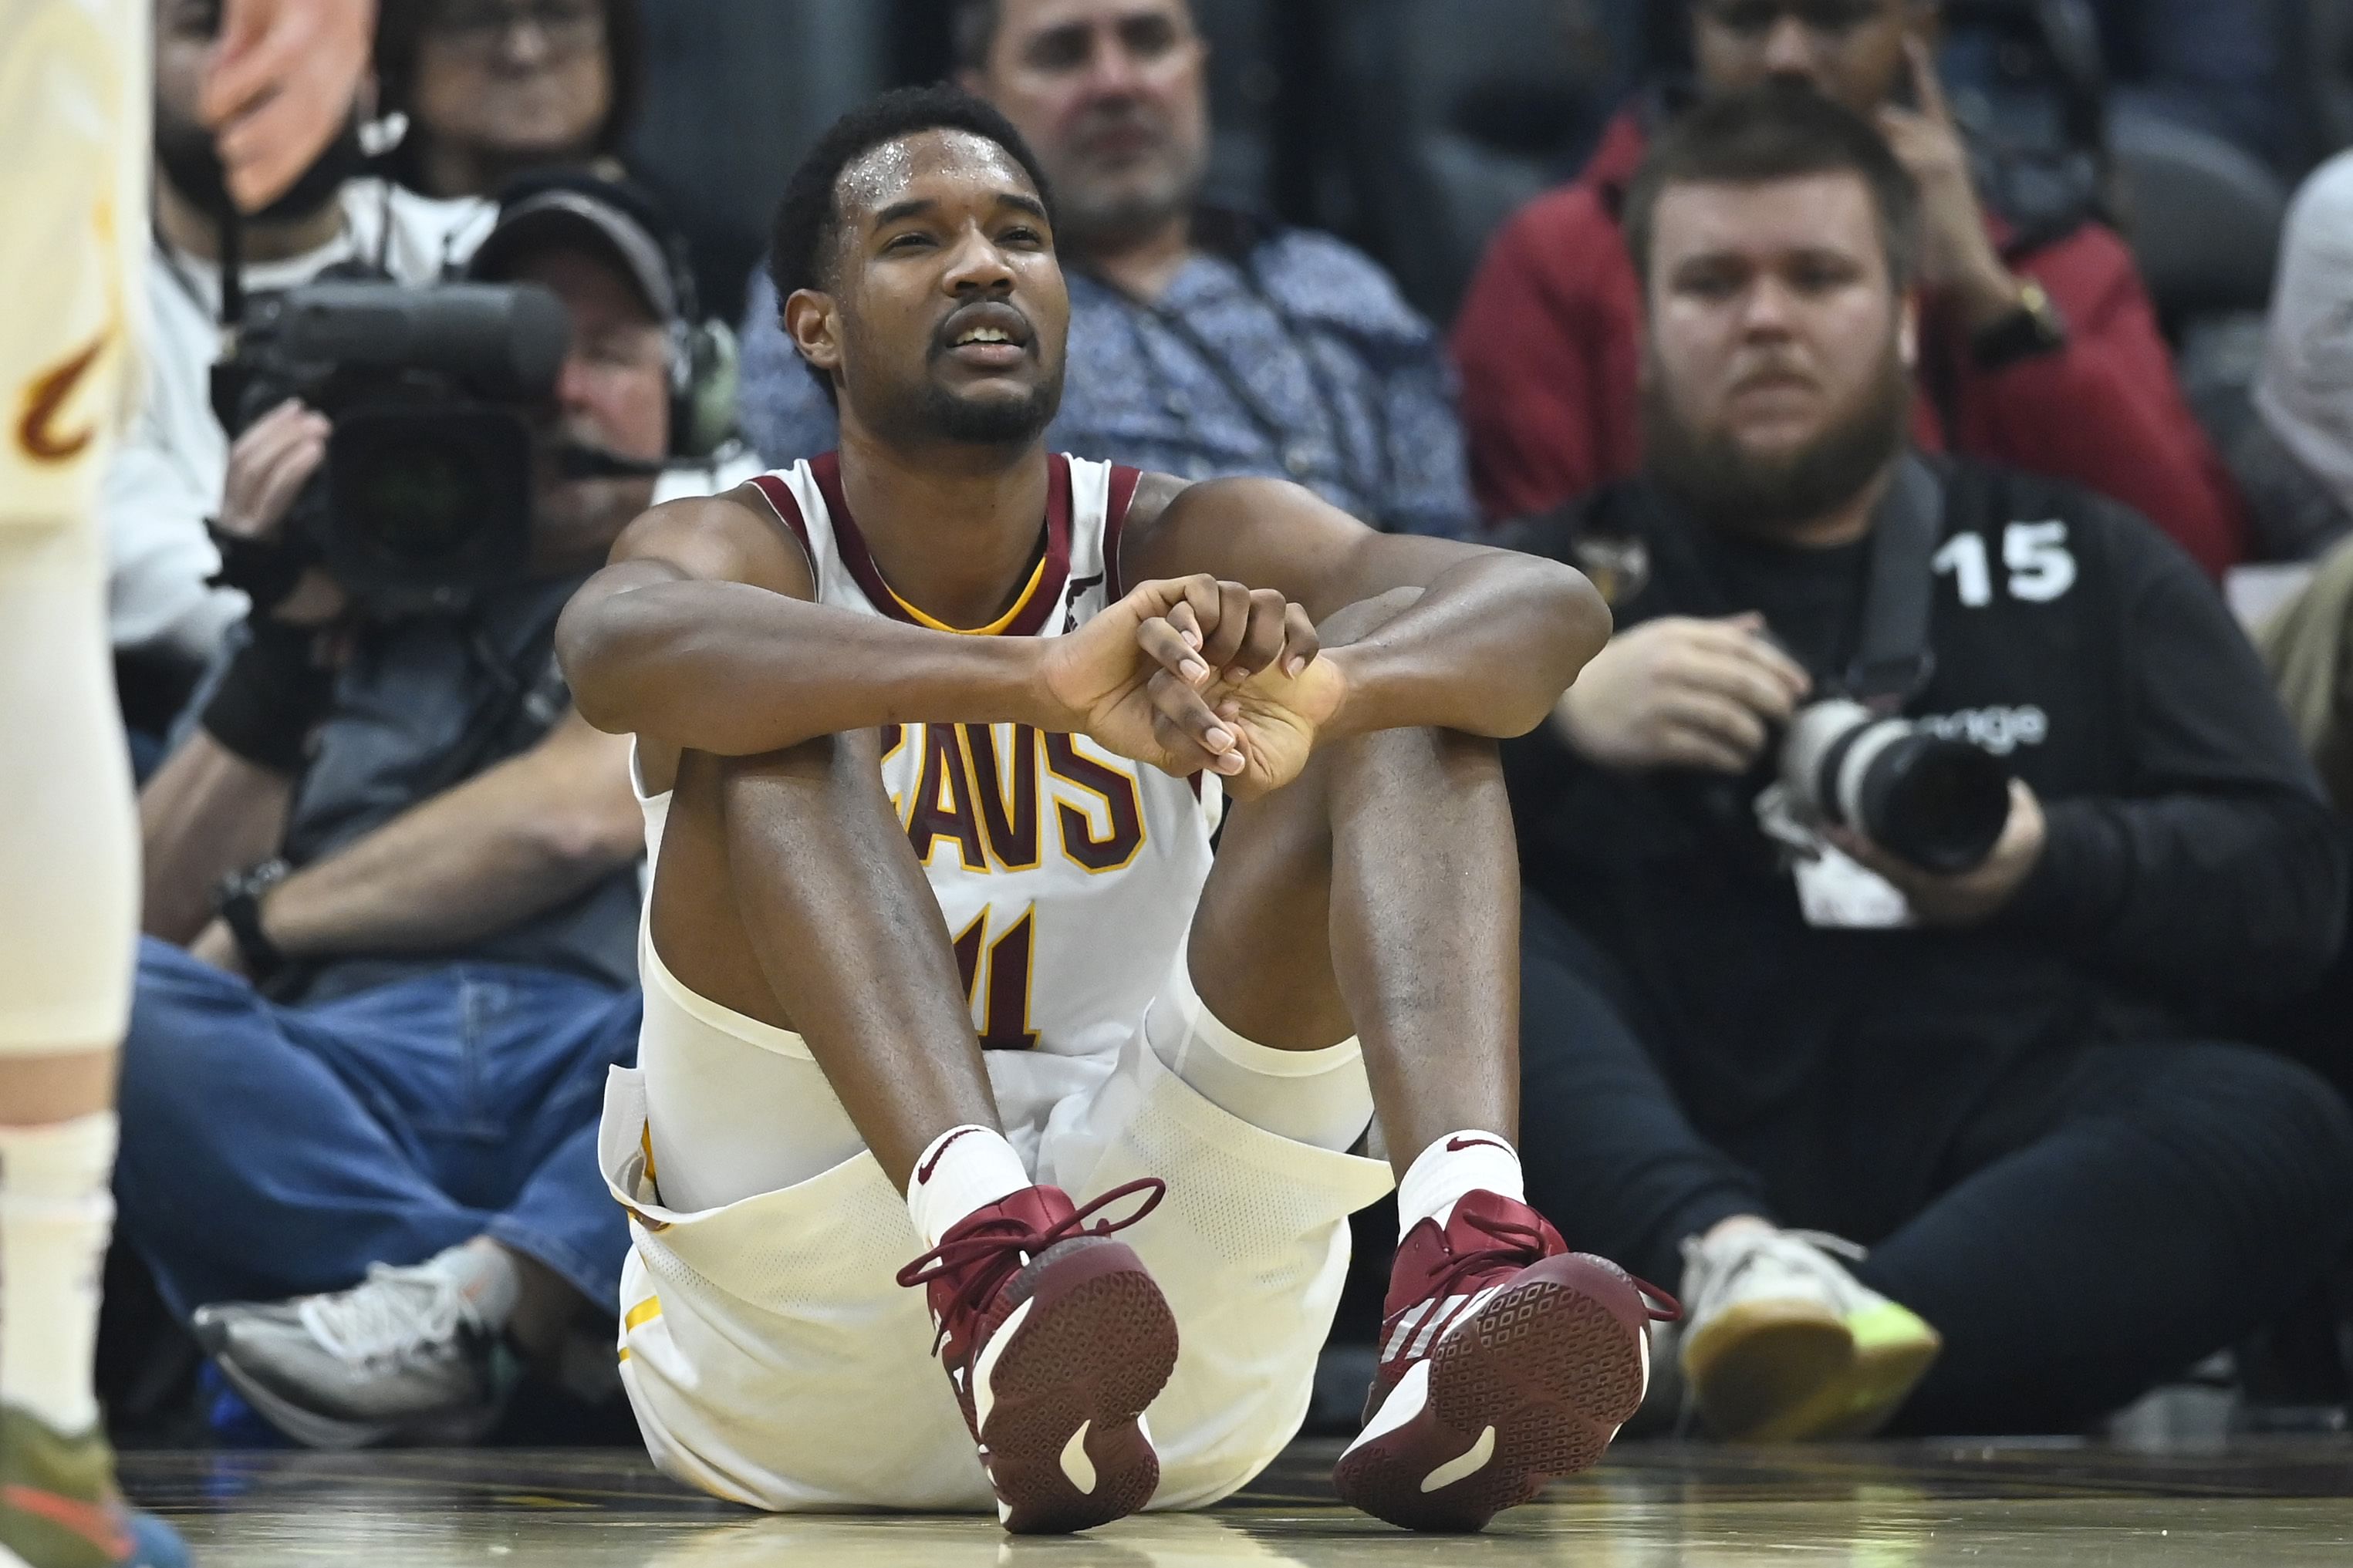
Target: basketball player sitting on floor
{"type": "Point", "coordinates": [866, 828]}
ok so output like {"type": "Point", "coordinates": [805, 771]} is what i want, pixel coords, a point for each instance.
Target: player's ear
{"type": "Point", "coordinates": [809, 321]}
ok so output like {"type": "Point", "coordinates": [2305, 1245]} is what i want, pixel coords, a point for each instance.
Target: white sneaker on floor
{"type": "Point", "coordinates": [1780, 1342]}
{"type": "Point", "coordinates": [401, 1357]}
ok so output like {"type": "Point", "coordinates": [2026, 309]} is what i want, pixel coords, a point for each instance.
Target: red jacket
{"type": "Point", "coordinates": [1547, 345]}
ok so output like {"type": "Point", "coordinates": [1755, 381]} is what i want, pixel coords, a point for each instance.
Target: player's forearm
{"type": "Point", "coordinates": [738, 671]}
{"type": "Point", "coordinates": [206, 811]}
{"type": "Point", "coordinates": [1487, 648]}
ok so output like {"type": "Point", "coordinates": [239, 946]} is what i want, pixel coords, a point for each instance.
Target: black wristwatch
{"type": "Point", "coordinates": [238, 900]}
{"type": "Point", "coordinates": [2033, 328]}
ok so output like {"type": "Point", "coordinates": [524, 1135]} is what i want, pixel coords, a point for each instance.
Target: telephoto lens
{"type": "Point", "coordinates": [1938, 803]}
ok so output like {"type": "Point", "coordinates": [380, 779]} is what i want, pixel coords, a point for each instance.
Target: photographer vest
{"type": "Point", "coordinates": [421, 706]}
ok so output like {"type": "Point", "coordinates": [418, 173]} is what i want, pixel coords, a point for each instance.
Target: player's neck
{"type": "Point", "coordinates": [188, 229]}
{"type": "Point", "coordinates": [953, 530]}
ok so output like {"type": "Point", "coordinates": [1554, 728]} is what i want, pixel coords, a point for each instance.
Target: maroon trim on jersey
{"type": "Point", "coordinates": [1124, 481]}
{"type": "Point", "coordinates": [1028, 617]}
{"type": "Point", "coordinates": [780, 501]}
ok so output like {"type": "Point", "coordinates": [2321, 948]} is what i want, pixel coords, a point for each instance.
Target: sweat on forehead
{"type": "Point", "coordinates": [881, 175]}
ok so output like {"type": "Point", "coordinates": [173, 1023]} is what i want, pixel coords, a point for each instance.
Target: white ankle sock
{"type": "Point", "coordinates": [964, 1169]}
{"type": "Point", "coordinates": [55, 1213]}
{"type": "Point", "coordinates": [1464, 1162]}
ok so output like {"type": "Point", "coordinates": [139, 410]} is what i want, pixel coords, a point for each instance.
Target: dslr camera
{"type": "Point", "coordinates": [425, 500]}
{"type": "Point", "coordinates": [1929, 799]}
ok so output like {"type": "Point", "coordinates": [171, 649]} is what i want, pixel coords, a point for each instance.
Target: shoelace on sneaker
{"type": "Point", "coordinates": [386, 1319]}
{"type": "Point", "coordinates": [1517, 1244]}
{"type": "Point", "coordinates": [1714, 1287]}
{"type": "Point", "coordinates": [996, 1249]}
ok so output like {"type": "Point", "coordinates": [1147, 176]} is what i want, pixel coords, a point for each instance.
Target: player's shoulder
{"type": "Point", "coordinates": [1174, 524]}
{"type": "Point", "coordinates": [736, 536]}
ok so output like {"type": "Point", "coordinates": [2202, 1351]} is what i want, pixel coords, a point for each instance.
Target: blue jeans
{"type": "Point", "coordinates": [273, 1151]}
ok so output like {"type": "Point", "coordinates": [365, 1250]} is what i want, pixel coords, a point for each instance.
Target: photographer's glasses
{"type": "Point", "coordinates": [1755, 17]}
{"type": "Point", "coordinates": [483, 26]}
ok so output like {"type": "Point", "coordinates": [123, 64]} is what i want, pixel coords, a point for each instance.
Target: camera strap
{"type": "Point", "coordinates": [1893, 663]}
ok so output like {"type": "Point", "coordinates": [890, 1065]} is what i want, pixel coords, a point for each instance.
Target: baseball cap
{"type": "Point", "coordinates": [580, 210]}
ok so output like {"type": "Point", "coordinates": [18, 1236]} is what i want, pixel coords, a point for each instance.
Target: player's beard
{"type": "Point", "coordinates": [1728, 486]}
{"type": "Point", "coordinates": [993, 422]}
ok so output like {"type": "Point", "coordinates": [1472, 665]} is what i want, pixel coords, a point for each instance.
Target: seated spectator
{"type": "Point", "coordinates": [406, 872]}
{"type": "Point", "coordinates": [1203, 343]}
{"type": "Point", "coordinates": [494, 89]}
{"type": "Point", "coordinates": [2214, 65]}
{"type": "Point", "coordinates": [2009, 1078]}
{"type": "Point", "coordinates": [165, 478]}
{"type": "Point", "coordinates": [2048, 361]}
{"type": "Point", "coordinates": [2296, 460]}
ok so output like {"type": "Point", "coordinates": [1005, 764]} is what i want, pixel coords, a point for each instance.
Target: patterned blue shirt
{"type": "Point", "coordinates": [1293, 356]}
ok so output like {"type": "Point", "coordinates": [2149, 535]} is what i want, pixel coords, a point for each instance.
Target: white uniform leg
{"type": "Point", "coordinates": [74, 93]}
{"type": "Point", "coordinates": [773, 1359]}
{"type": "Point", "coordinates": [74, 88]}
{"type": "Point", "coordinates": [1250, 1247]}
{"type": "Point", "coordinates": [69, 833]}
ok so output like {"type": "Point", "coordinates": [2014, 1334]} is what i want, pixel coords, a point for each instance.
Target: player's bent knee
{"type": "Point", "coordinates": [1355, 623]}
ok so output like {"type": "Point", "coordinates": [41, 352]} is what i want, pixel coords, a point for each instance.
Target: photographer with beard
{"type": "Point", "coordinates": [1743, 1015]}
{"type": "Point", "coordinates": [2039, 351]}
{"type": "Point", "coordinates": [406, 872]}
{"type": "Point", "coordinates": [167, 475]}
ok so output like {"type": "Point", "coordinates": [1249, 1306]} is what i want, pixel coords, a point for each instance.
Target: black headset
{"type": "Point", "coordinates": [703, 358]}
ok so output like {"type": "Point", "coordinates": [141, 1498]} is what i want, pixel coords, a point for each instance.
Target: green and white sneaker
{"type": "Point", "coordinates": [58, 1507]}
{"type": "Point", "coordinates": [1783, 1344]}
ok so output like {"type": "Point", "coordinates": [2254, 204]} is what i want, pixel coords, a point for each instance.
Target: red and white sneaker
{"type": "Point", "coordinates": [1055, 1338]}
{"type": "Point", "coordinates": [1507, 1359]}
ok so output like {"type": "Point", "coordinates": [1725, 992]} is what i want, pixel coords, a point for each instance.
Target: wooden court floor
{"type": "Point", "coordinates": [1650, 1506]}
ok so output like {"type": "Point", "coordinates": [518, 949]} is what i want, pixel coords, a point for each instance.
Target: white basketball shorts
{"type": "Point", "coordinates": [74, 95]}
{"type": "Point", "coordinates": [773, 1359]}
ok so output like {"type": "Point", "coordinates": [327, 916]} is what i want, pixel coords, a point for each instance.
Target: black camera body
{"type": "Point", "coordinates": [426, 497]}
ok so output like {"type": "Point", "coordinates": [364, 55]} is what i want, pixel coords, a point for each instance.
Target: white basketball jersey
{"type": "Point", "coordinates": [1068, 874]}
{"type": "Point", "coordinates": [75, 89]}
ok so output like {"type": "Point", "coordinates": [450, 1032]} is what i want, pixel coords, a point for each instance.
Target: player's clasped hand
{"type": "Point", "coordinates": [1192, 674]}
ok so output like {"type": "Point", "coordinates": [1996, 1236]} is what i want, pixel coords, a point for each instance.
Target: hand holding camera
{"type": "Point", "coordinates": [1683, 693]}
{"type": "Point", "coordinates": [267, 466]}
{"type": "Point", "coordinates": [1966, 897]}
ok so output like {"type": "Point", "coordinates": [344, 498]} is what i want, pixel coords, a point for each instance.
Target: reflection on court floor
{"type": "Point", "coordinates": [1652, 1506]}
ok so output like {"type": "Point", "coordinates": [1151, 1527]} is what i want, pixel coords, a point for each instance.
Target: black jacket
{"type": "Point", "coordinates": [2193, 870]}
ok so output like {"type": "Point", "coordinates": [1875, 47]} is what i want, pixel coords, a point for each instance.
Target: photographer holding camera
{"type": "Point", "coordinates": [1894, 869]}
{"type": "Point", "coordinates": [165, 478]}
{"type": "Point", "coordinates": [406, 870]}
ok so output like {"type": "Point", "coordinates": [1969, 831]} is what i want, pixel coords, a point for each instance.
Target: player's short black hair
{"type": "Point", "coordinates": [808, 218]}
{"type": "Point", "coordinates": [1777, 132]}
